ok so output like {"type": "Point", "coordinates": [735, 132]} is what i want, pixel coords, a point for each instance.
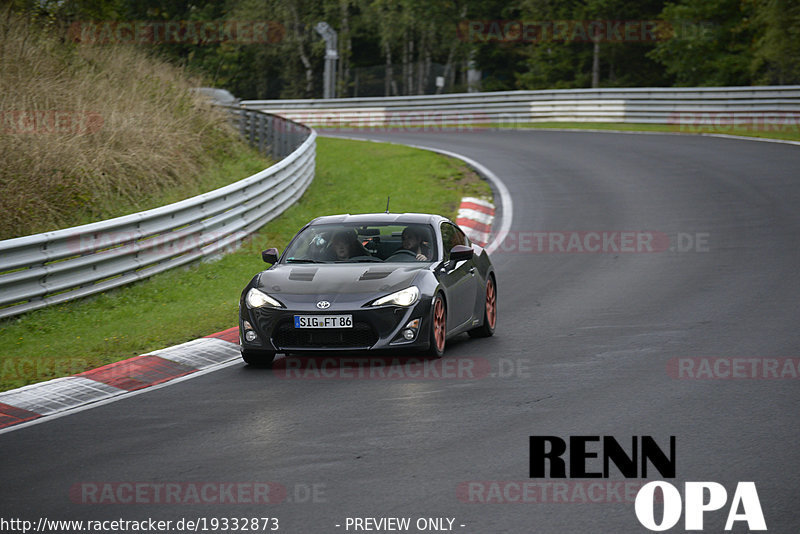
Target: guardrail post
{"type": "Point", "coordinates": [240, 115]}
{"type": "Point", "coordinates": [262, 141]}
{"type": "Point", "coordinates": [277, 145]}
{"type": "Point", "coordinates": [270, 135]}
{"type": "Point", "coordinates": [251, 128]}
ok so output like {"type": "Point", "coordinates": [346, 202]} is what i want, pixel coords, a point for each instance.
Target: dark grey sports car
{"type": "Point", "coordinates": [369, 282]}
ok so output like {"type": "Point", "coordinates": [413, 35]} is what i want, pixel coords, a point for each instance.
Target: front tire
{"type": "Point", "coordinates": [489, 312]}
{"type": "Point", "coordinates": [438, 334]}
{"type": "Point", "coordinates": [258, 358]}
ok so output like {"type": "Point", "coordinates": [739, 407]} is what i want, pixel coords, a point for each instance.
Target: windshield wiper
{"type": "Point", "coordinates": [303, 260]}
{"type": "Point", "coordinates": [360, 260]}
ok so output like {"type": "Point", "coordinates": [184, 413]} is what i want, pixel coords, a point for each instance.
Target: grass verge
{"type": "Point", "coordinates": [194, 301]}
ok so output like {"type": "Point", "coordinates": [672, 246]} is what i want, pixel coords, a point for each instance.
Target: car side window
{"type": "Point", "coordinates": [452, 236]}
{"type": "Point", "coordinates": [462, 237]}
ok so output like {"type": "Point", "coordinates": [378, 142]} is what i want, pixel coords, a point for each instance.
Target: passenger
{"type": "Point", "coordinates": [413, 241]}
{"type": "Point", "coordinates": [345, 245]}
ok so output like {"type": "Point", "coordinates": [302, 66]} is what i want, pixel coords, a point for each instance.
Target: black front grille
{"type": "Point", "coordinates": [361, 336]}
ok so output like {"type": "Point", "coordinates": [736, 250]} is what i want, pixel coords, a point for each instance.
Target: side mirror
{"type": "Point", "coordinates": [460, 253]}
{"type": "Point", "coordinates": [270, 255]}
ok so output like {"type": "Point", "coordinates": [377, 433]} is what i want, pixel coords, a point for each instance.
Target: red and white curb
{"type": "Point", "coordinates": [62, 395]}
{"type": "Point", "coordinates": [475, 217]}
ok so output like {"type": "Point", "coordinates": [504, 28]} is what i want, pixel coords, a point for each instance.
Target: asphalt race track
{"type": "Point", "coordinates": [589, 342]}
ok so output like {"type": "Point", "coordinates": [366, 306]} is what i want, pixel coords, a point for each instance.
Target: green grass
{"type": "Point", "coordinates": [201, 299]}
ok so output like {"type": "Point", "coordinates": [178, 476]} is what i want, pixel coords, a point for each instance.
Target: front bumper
{"type": "Point", "coordinates": [374, 328]}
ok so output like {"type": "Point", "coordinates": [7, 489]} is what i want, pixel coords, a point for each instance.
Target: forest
{"type": "Point", "coordinates": [263, 49]}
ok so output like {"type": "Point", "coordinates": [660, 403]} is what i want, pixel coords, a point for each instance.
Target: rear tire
{"type": "Point", "coordinates": [258, 358]}
{"type": "Point", "coordinates": [489, 312]}
{"type": "Point", "coordinates": [438, 333]}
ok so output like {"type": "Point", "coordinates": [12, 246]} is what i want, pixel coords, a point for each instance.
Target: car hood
{"type": "Point", "coordinates": [327, 280]}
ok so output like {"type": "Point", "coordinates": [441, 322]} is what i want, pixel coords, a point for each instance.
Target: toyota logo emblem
{"type": "Point", "coordinates": [323, 305]}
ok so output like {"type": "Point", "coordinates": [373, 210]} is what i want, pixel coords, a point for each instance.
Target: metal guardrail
{"type": "Point", "coordinates": [271, 134]}
{"type": "Point", "coordinates": [53, 267]}
{"type": "Point", "coordinates": [747, 105]}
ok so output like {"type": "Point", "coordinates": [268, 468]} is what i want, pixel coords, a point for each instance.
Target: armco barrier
{"type": "Point", "coordinates": [44, 269]}
{"type": "Point", "coordinates": [273, 135]}
{"type": "Point", "coordinates": [767, 104]}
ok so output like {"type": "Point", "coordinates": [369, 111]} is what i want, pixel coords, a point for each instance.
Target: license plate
{"type": "Point", "coordinates": [323, 321]}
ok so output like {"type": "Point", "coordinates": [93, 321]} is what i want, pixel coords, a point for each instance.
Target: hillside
{"type": "Point", "coordinates": [91, 132]}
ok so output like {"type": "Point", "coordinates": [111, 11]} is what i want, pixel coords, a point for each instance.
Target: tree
{"type": "Point", "coordinates": [776, 54]}
{"type": "Point", "coordinates": [710, 43]}
{"type": "Point", "coordinates": [594, 51]}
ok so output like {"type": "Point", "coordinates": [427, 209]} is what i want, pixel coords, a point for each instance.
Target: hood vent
{"type": "Point", "coordinates": [303, 275]}
{"type": "Point", "coordinates": [374, 275]}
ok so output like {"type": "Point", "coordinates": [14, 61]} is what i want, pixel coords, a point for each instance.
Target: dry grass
{"type": "Point", "coordinates": [89, 132]}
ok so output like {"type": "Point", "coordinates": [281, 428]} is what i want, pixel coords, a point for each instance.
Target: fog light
{"type": "Point", "coordinates": [408, 334]}
{"type": "Point", "coordinates": [249, 335]}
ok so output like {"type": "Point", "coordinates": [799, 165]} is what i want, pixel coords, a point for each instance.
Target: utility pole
{"type": "Point", "coordinates": [331, 55]}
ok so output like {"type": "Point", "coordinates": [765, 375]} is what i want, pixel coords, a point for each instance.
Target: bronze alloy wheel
{"type": "Point", "coordinates": [491, 303]}
{"type": "Point", "coordinates": [438, 327]}
{"type": "Point", "coordinates": [489, 312]}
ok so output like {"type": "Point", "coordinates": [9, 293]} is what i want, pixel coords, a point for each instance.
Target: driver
{"type": "Point", "coordinates": [413, 241]}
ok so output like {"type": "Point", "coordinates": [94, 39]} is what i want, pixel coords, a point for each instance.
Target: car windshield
{"type": "Point", "coordinates": [342, 243]}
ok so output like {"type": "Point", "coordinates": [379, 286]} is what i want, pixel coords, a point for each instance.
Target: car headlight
{"type": "Point", "coordinates": [404, 297]}
{"type": "Point", "coordinates": [259, 299]}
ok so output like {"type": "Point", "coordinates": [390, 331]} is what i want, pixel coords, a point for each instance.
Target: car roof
{"type": "Point", "coordinates": [380, 218]}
